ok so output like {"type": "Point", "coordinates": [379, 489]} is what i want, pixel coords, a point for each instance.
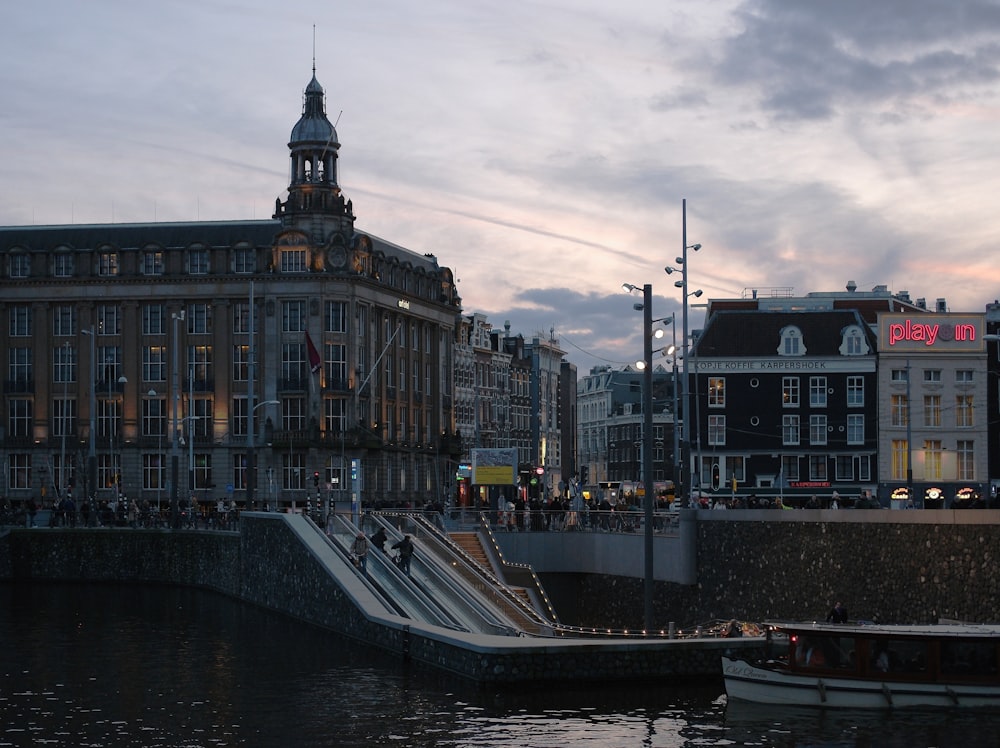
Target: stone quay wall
{"type": "Point", "coordinates": [268, 564]}
{"type": "Point", "coordinates": [892, 566]}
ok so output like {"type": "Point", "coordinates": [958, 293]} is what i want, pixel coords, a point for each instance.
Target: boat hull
{"type": "Point", "coordinates": [750, 683]}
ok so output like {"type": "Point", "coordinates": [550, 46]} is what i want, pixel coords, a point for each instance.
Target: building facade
{"type": "Point", "coordinates": [294, 359]}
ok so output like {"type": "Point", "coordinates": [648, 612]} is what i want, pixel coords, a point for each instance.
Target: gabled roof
{"type": "Point", "coordinates": [739, 334]}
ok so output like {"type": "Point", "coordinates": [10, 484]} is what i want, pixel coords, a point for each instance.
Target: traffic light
{"type": "Point", "coordinates": [316, 479]}
{"type": "Point", "coordinates": [716, 479]}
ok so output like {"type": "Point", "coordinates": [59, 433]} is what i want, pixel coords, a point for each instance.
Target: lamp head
{"type": "Point", "coordinates": [695, 247]}
{"type": "Point", "coordinates": [629, 288]}
{"type": "Point", "coordinates": [679, 284]}
{"type": "Point", "coordinates": [638, 306]}
{"type": "Point", "coordinates": [669, 270]}
{"type": "Point", "coordinates": [697, 293]}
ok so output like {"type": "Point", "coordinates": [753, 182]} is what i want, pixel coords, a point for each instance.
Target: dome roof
{"type": "Point", "coordinates": [313, 126]}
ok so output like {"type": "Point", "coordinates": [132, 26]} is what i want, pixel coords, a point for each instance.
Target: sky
{"type": "Point", "coordinates": [542, 150]}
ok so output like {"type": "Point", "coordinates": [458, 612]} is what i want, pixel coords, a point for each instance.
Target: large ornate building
{"type": "Point", "coordinates": [266, 361]}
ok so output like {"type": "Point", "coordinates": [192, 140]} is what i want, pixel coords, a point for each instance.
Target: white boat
{"type": "Point", "coordinates": [870, 666]}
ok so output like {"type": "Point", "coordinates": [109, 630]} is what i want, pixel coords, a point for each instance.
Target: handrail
{"type": "Point", "coordinates": [536, 584]}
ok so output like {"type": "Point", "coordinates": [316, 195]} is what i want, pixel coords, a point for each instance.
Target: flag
{"type": "Point", "coordinates": [314, 360]}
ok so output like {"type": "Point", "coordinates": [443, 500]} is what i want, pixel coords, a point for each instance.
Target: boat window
{"type": "Point", "coordinates": [898, 656]}
{"type": "Point", "coordinates": [969, 657]}
{"type": "Point", "coordinates": [826, 652]}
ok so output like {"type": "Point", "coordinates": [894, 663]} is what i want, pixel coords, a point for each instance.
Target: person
{"type": "Point", "coordinates": [379, 538]}
{"type": "Point", "coordinates": [835, 501]}
{"type": "Point", "coordinates": [733, 630]}
{"type": "Point", "coordinates": [32, 512]}
{"type": "Point", "coordinates": [405, 548]}
{"type": "Point", "coordinates": [837, 614]}
{"type": "Point", "coordinates": [359, 549]}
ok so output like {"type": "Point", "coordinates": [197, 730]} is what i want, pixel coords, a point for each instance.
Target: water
{"type": "Point", "coordinates": [84, 665]}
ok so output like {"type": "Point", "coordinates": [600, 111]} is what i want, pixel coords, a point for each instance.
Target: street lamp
{"type": "Point", "coordinates": [174, 456]}
{"type": "Point", "coordinates": [153, 396]}
{"type": "Point", "coordinates": [113, 416]}
{"type": "Point", "coordinates": [647, 449]}
{"type": "Point", "coordinates": [683, 285]}
{"type": "Point", "coordinates": [65, 404]}
{"type": "Point", "coordinates": [251, 450]}
{"type": "Point", "coordinates": [92, 449]}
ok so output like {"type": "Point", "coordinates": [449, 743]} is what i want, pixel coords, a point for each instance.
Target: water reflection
{"type": "Point", "coordinates": [159, 666]}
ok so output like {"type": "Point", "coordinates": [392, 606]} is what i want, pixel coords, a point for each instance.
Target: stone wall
{"type": "Point", "coordinates": [901, 567]}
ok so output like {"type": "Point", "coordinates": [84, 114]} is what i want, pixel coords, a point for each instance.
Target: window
{"type": "Point", "coordinates": [154, 416]}
{"type": "Point", "coordinates": [817, 429]}
{"type": "Point", "coordinates": [200, 365]}
{"type": "Point", "coordinates": [293, 260]}
{"type": "Point", "coordinates": [789, 469]}
{"type": "Point", "coordinates": [244, 260]}
{"type": "Point", "coordinates": [863, 467]}
{"type": "Point", "coordinates": [790, 392]}
{"type": "Point", "coordinates": [63, 265]}
{"type": "Point", "coordinates": [239, 415]}
{"type": "Point", "coordinates": [717, 430]}
{"type": "Point", "coordinates": [19, 470]}
{"type": "Point", "coordinates": [108, 320]}
{"type": "Point", "coordinates": [107, 263]}
{"type": "Point", "coordinates": [932, 459]}
{"type": "Point", "coordinates": [64, 364]}
{"type": "Point", "coordinates": [336, 316]}
{"type": "Point", "coordinates": [716, 392]}
{"type": "Point", "coordinates": [899, 375]}
{"type": "Point", "coordinates": [932, 410]}
{"type": "Point", "coordinates": [844, 467]}
{"type": "Point", "coordinates": [818, 467]}
{"type": "Point", "coordinates": [963, 411]}
{"type": "Point", "coordinates": [965, 458]}
{"type": "Point", "coordinates": [853, 343]}
{"type": "Point", "coordinates": [19, 317]}
{"type": "Point", "coordinates": [198, 261]}
{"type": "Point", "coordinates": [963, 376]}
{"type": "Point", "coordinates": [64, 320]}
{"type": "Point", "coordinates": [736, 467]}
{"type": "Point", "coordinates": [19, 416]}
{"type": "Point", "coordinates": [153, 472]}
{"type": "Point", "coordinates": [64, 416]}
{"type": "Point", "coordinates": [817, 392]}
{"type": "Point", "coordinates": [20, 370]}
{"type": "Point", "coordinates": [898, 410]}
{"type": "Point", "coordinates": [855, 429]}
{"type": "Point", "coordinates": [897, 465]}
{"type": "Point", "coordinates": [154, 319]}
{"type": "Point", "coordinates": [336, 365]}
{"type": "Point", "coordinates": [154, 363]}
{"type": "Point", "coordinates": [791, 342]}
{"type": "Point", "coordinates": [334, 415]}
{"type": "Point", "coordinates": [202, 470]}
{"type": "Point", "coordinates": [293, 413]}
{"type": "Point", "coordinates": [202, 410]}
{"type": "Point", "coordinates": [241, 363]}
{"type": "Point", "coordinates": [790, 429]}
{"type": "Point", "coordinates": [20, 265]}
{"type": "Point", "coordinates": [293, 365]}
{"type": "Point", "coordinates": [152, 262]}
{"type": "Point", "coordinates": [293, 316]}
{"type": "Point", "coordinates": [932, 376]}
{"type": "Point", "coordinates": [855, 392]}
{"type": "Point", "coordinates": [199, 319]}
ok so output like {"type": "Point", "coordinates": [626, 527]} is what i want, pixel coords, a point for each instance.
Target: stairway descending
{"type": "Point", "coordinates": [472, 545]}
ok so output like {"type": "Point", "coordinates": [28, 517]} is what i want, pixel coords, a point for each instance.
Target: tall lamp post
{"type": "Point", "coordinates": [114, 459]}
{"type": "Point", "coordinates": [251, 451]}
{"type": "Point", "coordinates": [63, 416]}
{"type": "Point", "coordinates": [647, 450]}
{"type": "Point", "coordinates": [687, 481]}
{"type": "Point", "coordinates": [152, 394]}
{"type": "Point", "coordinates": [174, 454]}
{"type": "Point", "coordinates": [92, 448]}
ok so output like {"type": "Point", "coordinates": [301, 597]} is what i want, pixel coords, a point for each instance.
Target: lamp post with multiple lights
{"type": "Point", "coordinates": [175, 518]}
{"type": "Point", "coordinates": [687, 482]}
{"type": "Point", "coordinates": [647, 448]}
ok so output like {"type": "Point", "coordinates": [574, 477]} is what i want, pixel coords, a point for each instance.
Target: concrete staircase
{"type": "Point", "coordinates": [473, 546]}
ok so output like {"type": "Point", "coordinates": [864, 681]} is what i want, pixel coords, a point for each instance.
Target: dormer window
{"type": "Point", "coordinates": [853, 342]}
{"type": "Point", "coordinates": [198, 261]}
{"type": "Point", "coordinates": [791, 342]}
{"type": "Point", "coordinates": [152, 262]}
{"type": "Point", "coordinates": [62, 265]}
{"type": "Point", "coordinates": [107, 263]}
{"type": "Point", "coordinates": [20, 265]}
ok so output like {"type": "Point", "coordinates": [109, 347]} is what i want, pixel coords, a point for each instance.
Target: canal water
{"type": "Point", "coordinates": [89, 666]}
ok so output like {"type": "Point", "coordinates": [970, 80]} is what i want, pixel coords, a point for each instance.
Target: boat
{"type": "Point", "coordinates": [870, 666]}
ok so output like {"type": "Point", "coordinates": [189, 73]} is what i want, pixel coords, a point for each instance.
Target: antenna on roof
{"type": "Point", "coordinates": [314, 49]}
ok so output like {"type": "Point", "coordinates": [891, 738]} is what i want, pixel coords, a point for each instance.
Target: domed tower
{"type": "Point", "coordinates": [315, 204]}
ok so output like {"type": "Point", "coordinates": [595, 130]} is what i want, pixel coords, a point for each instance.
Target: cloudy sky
{"type": "Point", "coordinates": [541, 149]}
